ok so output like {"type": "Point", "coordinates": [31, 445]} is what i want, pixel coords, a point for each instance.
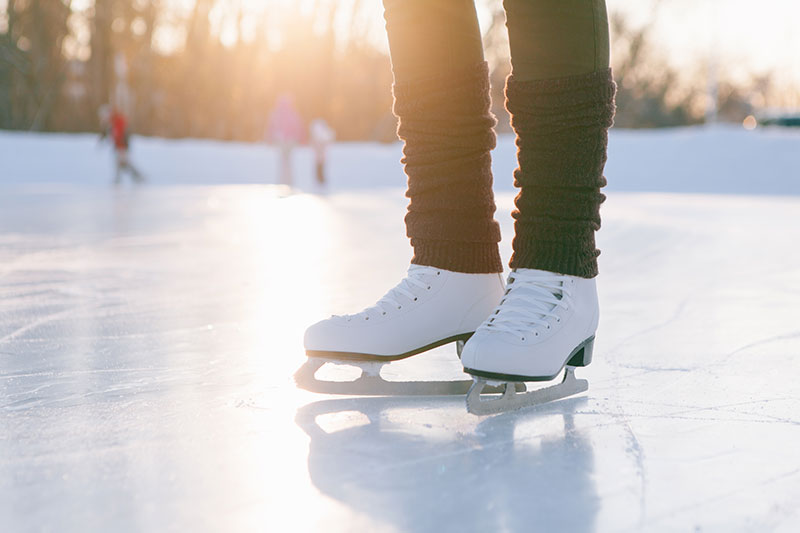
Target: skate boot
{"type": "Point", "coordinates": [430, 307]}
{"type": "Point", "coordinates": [544, 323]}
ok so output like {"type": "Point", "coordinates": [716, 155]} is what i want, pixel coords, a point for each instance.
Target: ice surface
{"type": "Point", "coordinates": [148, 337]}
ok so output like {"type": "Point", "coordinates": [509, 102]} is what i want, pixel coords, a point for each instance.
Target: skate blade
{"type": "Point", "coordinates": [510, 399]}
{"type": "Point", "coordinates": [370, 383]}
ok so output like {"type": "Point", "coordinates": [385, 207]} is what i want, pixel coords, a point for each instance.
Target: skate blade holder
{"type": "Point", "coordinates": [370, 382]}
{"type": "Point", "coordinates": [482, 401]}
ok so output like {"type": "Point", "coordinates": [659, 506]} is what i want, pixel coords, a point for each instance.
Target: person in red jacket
{"type": "Point", "coordinates": [116, 126]}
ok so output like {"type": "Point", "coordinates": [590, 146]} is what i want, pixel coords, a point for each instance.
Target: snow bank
{"type": "Point", "coordinates": [701, 159]}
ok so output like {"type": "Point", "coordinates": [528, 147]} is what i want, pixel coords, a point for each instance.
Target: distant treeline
{"type": "Point", "coordinates": [59, 65]}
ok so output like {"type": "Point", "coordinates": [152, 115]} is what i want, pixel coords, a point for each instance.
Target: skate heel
{"type": "Point", "coordinates": [582, 355]}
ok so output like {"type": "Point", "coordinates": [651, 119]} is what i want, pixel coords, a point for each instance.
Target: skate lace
{"type": "Point", "coordinates": [391, 300]}
{"type": "Point", "coordinates": [532, 296]}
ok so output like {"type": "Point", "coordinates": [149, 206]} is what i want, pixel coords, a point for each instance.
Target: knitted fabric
{"type": "Point", "coordinates": [448, 132]}
{"type": "Point", "coordinates": [562, 133]}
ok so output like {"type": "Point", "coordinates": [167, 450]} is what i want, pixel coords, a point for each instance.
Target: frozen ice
{"type": "Point", "coordinates": [148, 337]}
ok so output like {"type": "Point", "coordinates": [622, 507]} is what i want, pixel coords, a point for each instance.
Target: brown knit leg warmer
{"type": "Point", "coordinates": [448, 132]}
{"type": "Point", "coordinates": [562, 133]}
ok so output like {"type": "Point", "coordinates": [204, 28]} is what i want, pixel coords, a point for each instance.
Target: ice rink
{"type": "Point", "coordinates": [148, 337]}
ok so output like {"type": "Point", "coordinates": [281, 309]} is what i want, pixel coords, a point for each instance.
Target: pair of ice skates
{"type": "Point", "coordinates": [544, 324]}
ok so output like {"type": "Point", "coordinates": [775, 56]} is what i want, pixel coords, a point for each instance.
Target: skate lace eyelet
{"type": "Point", "coordinates": [522, 339]}
{"type": "Point", "coordinates": [558, 319]}
{"type": "Point", "coordinates": [548, 326]}
{"type": "Point", "coordinates": [384, 313]}
{"type": "Point", "coordinates": [429, 287]}
{"type": "Point", "coordinates": [537, 333]}
{"type": "Point", "coordinates": [438, 273]}
{"type": "Point", "coordinates": [366, 318]}
{"type": "Point", "coordinates": [415, 299]}
{"type": "Point", "coordinates": [399, 306]}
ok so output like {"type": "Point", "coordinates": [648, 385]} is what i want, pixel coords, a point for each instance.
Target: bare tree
{"type": "Point", "coordinates": [32, 62]}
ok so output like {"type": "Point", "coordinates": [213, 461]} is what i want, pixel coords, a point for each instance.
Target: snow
{"type": "Point", "coordinates": [148, 336]}
{"type": "Point", "coordinates": [719, 159]}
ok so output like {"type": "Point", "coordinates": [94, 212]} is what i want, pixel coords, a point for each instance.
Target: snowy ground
{"type": "Point", "coordinates": [148, 336]}
{"type": "Point", "coordinates": [722, 159]}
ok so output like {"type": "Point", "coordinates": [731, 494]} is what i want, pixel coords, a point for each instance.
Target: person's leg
{"type": "Point", "coordinates": [120, 160]}
{"type": "Point", "coordinates": [137, 176]}
{"type": "Point", "coordinates": [557, 38]}
{"type": "Point", "coordinates": [320, 170]}
{"type": "Point", "coordinates": [442, 101]}
{"type": "Point", "coordinates": [431, 39]}
{"type": "Point", "coordinates": [561, 98]}
{"type": "Point", "coordinates": [286, 163]}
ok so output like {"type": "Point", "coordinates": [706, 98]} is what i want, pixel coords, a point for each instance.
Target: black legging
{"type": "Point", "coordinates": [548, 38]}
{"type": "Point", "coordinates": [560, 96]}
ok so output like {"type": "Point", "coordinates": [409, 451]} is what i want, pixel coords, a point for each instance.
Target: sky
{"type": "Point", "coordinates": [745, 35]}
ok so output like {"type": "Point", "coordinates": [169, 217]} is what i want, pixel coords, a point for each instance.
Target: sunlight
{"type": "Point", "coordinates": [283, 244]}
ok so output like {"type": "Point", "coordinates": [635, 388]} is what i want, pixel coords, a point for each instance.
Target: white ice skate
{"type": "Point", "coordinates": [544, 323]}
{"type": "Point", "coordinates": [429, 308]}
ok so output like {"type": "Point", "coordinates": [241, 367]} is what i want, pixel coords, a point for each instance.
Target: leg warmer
{"type": "Point", "coordinates": [562, 133]}
{"type": "Point", "coordinates": [448, 132]}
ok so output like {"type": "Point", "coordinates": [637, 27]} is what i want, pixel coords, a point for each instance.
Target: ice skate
{"type": "Point", "coordinates": [545, 324]}
{"type": "Point", "coordinates": [430, 307]}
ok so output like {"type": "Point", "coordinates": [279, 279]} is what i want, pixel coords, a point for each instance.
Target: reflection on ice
{"type": "Point", "coordinates": [417, 466]}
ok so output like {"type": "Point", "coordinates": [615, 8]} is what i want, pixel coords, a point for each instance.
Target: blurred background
{"type": "Point", "coordinates": [215, 68]}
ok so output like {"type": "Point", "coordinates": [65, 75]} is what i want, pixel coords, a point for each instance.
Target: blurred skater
{"type": "Point", "coordinates": [115, 125]}
{"type": "Point", "coordinates": [321, 135]}
{"type": "Point", "coordinates": [285, 129]}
